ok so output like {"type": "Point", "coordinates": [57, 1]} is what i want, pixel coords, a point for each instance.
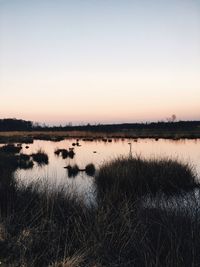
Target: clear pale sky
{"type": "Point", "coordinates": [99, 60]}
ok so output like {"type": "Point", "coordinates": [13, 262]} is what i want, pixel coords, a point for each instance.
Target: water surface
{"type": "Point", "coordinates": [98, 152]}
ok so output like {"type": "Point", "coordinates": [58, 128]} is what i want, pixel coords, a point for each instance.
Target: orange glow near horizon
{"type": "Point", "coordinates": [102, 99]}
{"type": "Point", "coordinates": [114, 97]}
{"type": "Point", "coordinates": [109, 62]}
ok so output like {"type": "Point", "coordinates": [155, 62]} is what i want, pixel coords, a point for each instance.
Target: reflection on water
{"type": "Point", "coordinates": [98, 152]}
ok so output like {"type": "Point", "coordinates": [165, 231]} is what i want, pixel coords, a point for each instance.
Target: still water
{"type": "Point", "coordinates": [99, 152]}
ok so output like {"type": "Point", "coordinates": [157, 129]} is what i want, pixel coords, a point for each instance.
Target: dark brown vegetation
{"type": "Point", "coordinates": [129, 224]}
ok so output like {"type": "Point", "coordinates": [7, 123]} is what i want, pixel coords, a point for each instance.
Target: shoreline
{"type": "Point", "coordinates": [29, 136]}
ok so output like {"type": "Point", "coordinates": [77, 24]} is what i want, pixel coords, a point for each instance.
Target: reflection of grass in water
{"type": "Point", "coordinates": [53, 228]}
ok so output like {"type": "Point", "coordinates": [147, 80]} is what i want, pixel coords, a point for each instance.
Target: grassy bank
{"type": "Point", "coordinates": [29, 136]}
{"type": "Point", "coordinates": [146, 214]}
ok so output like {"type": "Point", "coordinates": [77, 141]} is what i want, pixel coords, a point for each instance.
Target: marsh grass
{"type": "Point", "coordinates": [56, 228]}
{"type": "Point", "coordinates": [24, 161]}
{"type": "Point", "coordinates": [64, 153]}
{"type": "Point", "coordinates": [133, 177]}
{"type": "Point", "coordinates": [74, 261]}
{"type": "Point", "coordinates": [90, 169]}
{"type": "Point", "coordinates": [11, 148]}
{"type": "Point", "coordinates": [43, 226]}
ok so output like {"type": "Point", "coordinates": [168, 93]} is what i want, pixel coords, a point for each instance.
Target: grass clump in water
{"type": "Point", "coordinates": [136, 176]}
{"type": "Point", "coordinates": [64, 153]}
{"type": "Point", "coordinates": [90, 169]}
{"type": "Point", "coordinates": [11, 148]}
{"type": "Point", "coordinates": [25, 162]}
{"type": "Point", "coordinates": [72, 170]}
{"type": "Point", "coordinates": [40, 157]}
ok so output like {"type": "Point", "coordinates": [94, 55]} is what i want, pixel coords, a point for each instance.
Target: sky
{"type": "Point", "coordinates": [99, 61]}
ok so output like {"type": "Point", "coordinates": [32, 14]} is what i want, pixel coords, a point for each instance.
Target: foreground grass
{"type": "Point", "coordinates": [159, 226]}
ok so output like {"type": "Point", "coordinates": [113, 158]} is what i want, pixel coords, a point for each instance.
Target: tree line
{"type": "Point", "coordinates": [23, 125]}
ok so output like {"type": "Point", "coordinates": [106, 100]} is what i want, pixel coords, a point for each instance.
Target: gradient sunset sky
{"type": "Point", "coordinates": [99, 60]}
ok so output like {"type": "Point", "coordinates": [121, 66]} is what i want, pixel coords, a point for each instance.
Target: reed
{"type": "Point", "coordinates": [44, 227]}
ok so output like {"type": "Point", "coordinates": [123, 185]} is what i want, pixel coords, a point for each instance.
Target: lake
{"type": "Point", "coordinates": [99, 152]}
